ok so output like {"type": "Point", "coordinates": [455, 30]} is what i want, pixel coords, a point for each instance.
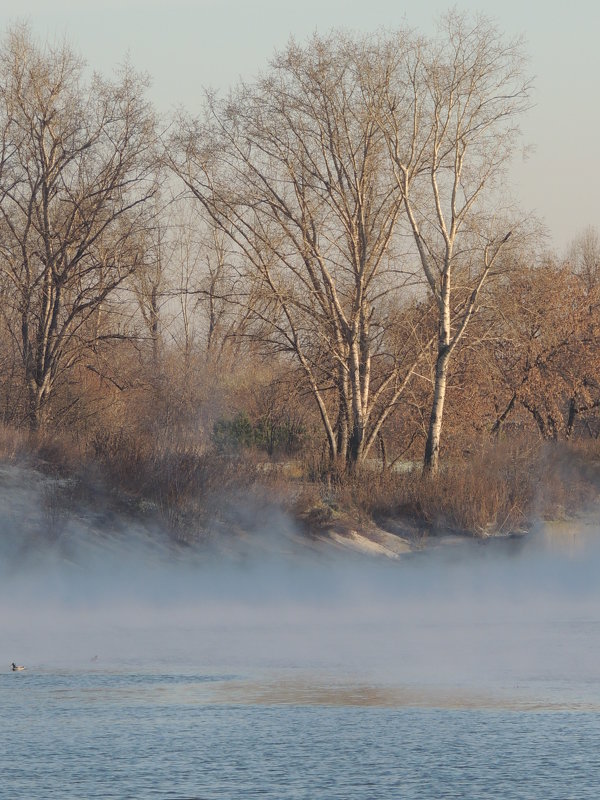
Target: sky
{"type": "Point", "coordinates": [186, 45]}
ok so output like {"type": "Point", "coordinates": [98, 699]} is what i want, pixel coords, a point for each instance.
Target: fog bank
{"type": "Point", "coordinates": [111, 594]}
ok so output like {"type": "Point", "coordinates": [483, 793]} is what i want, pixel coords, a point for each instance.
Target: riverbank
{"type": "Point", "coordinates": [204, 497]}
{"type": "Point", "coordinates": [52, 494]}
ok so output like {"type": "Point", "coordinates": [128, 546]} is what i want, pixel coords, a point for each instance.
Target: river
{"type": "Point", "coordinates": [468, 672]}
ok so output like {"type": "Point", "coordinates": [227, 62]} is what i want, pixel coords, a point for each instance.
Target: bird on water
{"type": "Point", "coordinates": [16, 667]}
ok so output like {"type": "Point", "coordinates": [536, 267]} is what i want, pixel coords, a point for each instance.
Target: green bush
{"type": "Point", "coordinates": [232, 435]}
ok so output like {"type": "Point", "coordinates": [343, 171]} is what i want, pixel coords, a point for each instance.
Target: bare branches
{"type": "Point", "coordinates": [294, 170]}
{"type": "Point", "coordinates": [77, 171]}
{"type": "Point", "coordinates": [464, 91]}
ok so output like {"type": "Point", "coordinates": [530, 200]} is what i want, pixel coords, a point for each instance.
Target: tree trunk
{"type": "Point", "coordinates": [355, 449]}
{"type": "Point", "coordinates": [496, 427]}
{"type": "Point", "coordinates": [432, 446]}
{"type": "Point", "coordinates": [573, 411]}
{"type": "Point", "coordinates": [342, 424]}
{"type": "Point", "coordinates": [383, 451]}
{"type": "Point", "coordinates": [34, 408]}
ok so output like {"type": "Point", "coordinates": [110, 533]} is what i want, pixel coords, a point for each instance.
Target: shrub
{"type": "Point", "coordinates": [267, 434]}
{"type": "Point", "coordinates": [502, 488]}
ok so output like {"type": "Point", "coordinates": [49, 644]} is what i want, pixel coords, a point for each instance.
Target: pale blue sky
{"type": "Point", "coordinates": [188, 44]}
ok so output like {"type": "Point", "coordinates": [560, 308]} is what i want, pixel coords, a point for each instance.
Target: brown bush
{"type": "Point", "coordinates": [14, 443]}
{"type": "Point", "coordinates": [500, 489]}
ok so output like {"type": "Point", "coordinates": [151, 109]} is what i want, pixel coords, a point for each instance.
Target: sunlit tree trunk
{"type": "Point", "coordinates": [295, 171]}
{"type": "Point", "coordinates": [450, 128]}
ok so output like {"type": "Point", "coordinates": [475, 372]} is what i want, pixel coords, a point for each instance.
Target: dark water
{"type": "Point", "coordinates": [124, 734]}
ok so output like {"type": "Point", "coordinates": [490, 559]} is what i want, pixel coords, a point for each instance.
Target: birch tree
{"type": "Point", "coordinates": [295, 170]}
{"type": "Point", "coordinates": [76, 167]}
{"type": "Point", "coordinates": [451, 127]}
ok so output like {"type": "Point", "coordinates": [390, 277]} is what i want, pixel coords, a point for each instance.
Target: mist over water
{"type": "Point", "coordinates": [268, 664]}
{"type": "Point", "coordinates": [508, 620]}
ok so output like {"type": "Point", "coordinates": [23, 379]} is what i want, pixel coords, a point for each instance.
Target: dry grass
{"type": "Point", "coordinates": [182, 488]}
{"type": "Point", "coordinates": [502, 488]}
{"type": "Point", "coordinates": [46, 451]}
{"type": "Point", "coordinates": [14, 444]}
{"type": "Point", "coordinates": [186, 486]}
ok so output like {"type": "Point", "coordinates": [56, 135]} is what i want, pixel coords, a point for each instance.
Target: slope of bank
{"type": "Point", "coordinates": [182, 503]}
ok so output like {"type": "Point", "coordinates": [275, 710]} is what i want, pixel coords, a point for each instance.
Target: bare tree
{"type": "Point", "coordinates": [76, 167]}
{"type": "Point", "coordinates": [584, 256]}
{"type": "Point", "coordinates": [295, 171]}
{"type": "Point", "coordinates": [450, 125]}
{"type": "Point", "coordinates": [149, 286]}
{"type": "Point", "coordinates": [545, 354]}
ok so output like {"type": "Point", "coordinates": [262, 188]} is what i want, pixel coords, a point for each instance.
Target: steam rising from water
{"type": "Point", "coordinates": [502, 619]}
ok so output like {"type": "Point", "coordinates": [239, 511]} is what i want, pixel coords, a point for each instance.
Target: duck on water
{"type": "Point", "coordinates": [16, 667]}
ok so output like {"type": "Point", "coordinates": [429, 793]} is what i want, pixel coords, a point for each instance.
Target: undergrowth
{"type": "Point", "coordinates": [500, 489]}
